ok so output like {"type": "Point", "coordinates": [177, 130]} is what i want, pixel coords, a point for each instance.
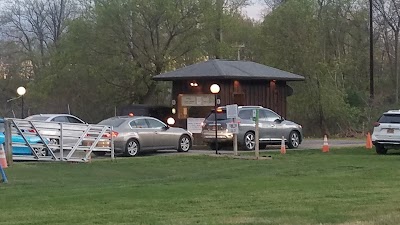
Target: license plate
{"type": "Point", "coordinates": [212, 128]}
{"type": "Point", "coordinates": [390, 130]}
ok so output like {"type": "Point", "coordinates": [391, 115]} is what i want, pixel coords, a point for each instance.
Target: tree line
{"type": "Point", "coordinates": [90, 56]}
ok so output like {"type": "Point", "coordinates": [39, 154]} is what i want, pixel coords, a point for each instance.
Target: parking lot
{"type": "Point", "coordinates": [310, 143]}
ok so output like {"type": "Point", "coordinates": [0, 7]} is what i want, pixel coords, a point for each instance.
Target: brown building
{"type": "Point", "coordinates": [241, 82]}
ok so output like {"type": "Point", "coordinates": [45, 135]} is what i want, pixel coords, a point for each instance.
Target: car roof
{"type": "Point", "coordinates": [51, 115]}
{"type": "Point", "coordinates": [395, 111]}
{"type": "Point", "coordinates": [131, 117]}
{"type": "Point", "coordinates": [244, 107]}
{"type": "Point", "coordinates": [249, 106]}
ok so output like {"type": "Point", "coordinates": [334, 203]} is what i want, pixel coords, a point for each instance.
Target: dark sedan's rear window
{"type": "Point", "coordinates": [220, 116]}
{"type": "Point", "coordinates": [114, 122]}
{"type": "Point", "coordinates": [389, 118]}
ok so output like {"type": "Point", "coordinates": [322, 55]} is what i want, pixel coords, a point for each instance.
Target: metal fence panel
{"type": "Point", "coordinates": [53, 141]}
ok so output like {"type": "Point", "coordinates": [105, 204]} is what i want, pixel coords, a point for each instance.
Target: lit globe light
{"type": "Point", "coordinates": [173, 110]}
{"type": "Point", "coordinates": [215, 89]}
{"type": "Point", "coordinates": [21, 91]}
{"type": "Point", "coordinates": [171, 121]}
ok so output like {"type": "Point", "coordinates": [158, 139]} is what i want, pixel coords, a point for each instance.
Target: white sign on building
{"type": "Point", "coordinates": [194, 125]}
{"type": "Point", "coordinates": [198, 100]}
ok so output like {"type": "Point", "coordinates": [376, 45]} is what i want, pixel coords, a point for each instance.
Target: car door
{"type": "Point", "coordinates": [68, 138]}
{"type": "Point", "coordinates": [267, 128]}
{"type": "Point", "coordinates": [145, 133]}
{"type": "Point", "coordinates": [275, 132]}
{"type": "Point", "coordinates": [75, 122]}
{"type": "Point", "coordinates": [162, 138]}
{"type": "Point", "coordinates": [245, 123]}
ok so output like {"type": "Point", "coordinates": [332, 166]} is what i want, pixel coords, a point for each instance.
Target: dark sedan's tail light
{"type": "Point", "coordinates": [376, 124]}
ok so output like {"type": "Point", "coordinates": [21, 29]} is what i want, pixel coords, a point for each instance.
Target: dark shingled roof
{"type": "Point", "coordinates": [226, 69]}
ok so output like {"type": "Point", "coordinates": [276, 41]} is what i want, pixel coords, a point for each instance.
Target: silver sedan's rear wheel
{"type": "Point", "coordinates": [249, 141]}
{"type": "Point", "coordinates": [294, 139]}
{"type": "Point", "coordinates": [132, 147]}
{"type": "Point", "coordinates": [185, 143]}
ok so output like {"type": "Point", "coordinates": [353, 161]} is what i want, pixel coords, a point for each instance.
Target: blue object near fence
{"type": "Point", "coordinates": [3, 175]}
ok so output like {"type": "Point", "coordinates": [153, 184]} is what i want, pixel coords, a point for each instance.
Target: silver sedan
{"type": "Point", "coordinates": [134, 134]}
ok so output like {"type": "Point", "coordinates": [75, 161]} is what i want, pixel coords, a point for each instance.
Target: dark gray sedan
{"type": "Point", "coordinates": [134, 134]}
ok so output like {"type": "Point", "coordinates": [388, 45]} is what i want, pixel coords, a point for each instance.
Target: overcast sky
{"type": "Point", "coordinates": [255, 10]}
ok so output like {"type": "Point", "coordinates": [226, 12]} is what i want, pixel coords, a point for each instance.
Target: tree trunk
{"type": "Point", "coordinates": [218, 30]}
{"type": "Point", "coordinates": [321, 119]}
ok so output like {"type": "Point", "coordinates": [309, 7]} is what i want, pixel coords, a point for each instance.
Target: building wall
{"type": "Point", "coordinates": [267, 93]}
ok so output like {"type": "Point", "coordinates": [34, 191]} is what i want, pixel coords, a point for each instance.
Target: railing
{"type": "Point", "coordinates": [52, 141]}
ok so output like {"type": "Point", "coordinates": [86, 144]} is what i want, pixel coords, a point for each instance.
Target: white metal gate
{"type": "Point", "coordinates": [52, 141]}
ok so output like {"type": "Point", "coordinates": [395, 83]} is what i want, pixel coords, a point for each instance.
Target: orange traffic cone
{"type": "Point", "coordinates": [3, 160]}
{"type": "Point", "coordinates": [325, 147]}
{"type": "Point", "coordinates": [368, 145]}
{"type": "Point", "coordinates": [283, 146]}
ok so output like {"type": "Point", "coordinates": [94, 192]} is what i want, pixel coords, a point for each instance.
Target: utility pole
{"type": "Point", "coordinates": [218, 31]}
{"type": "Point", "coordinates": [238, 50]}
{"type": "Point", "coordinates": [371, 53]}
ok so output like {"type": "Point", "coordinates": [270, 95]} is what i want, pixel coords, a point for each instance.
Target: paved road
{"type": "Point", "coordinates": [307, 144]}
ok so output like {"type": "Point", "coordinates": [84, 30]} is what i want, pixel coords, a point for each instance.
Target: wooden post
{"type": "Point", "coordinates": [235, 144]}
{"type": "Point", "coordinates": [112, 144]}
{"type": "Point", "coordinates": [61, 142]}
{"type": "Point", "coordinates": [8, 142]}
{"type": "Point", "coordinates": [257, 136]}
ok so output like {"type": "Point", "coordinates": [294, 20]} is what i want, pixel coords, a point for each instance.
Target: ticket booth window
{"type": "Point", "coordinates": [194, 105]}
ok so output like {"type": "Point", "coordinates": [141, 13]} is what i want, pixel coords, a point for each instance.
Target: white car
{"type": "Point", "coordinates": [51, 130]}
{"type": "Point", "coordinates": [61, 118]}
{"type": "Point", "coordinates": [386, 133]}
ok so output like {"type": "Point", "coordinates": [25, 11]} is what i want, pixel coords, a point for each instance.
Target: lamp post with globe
{"type": "Point", "coordinates": [21, 92]}
{"type": "Point", "coordinates": [215, 90]}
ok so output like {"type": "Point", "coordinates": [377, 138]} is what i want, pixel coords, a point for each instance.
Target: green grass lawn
{"type": "Point", "coordinates": [344, 186]}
